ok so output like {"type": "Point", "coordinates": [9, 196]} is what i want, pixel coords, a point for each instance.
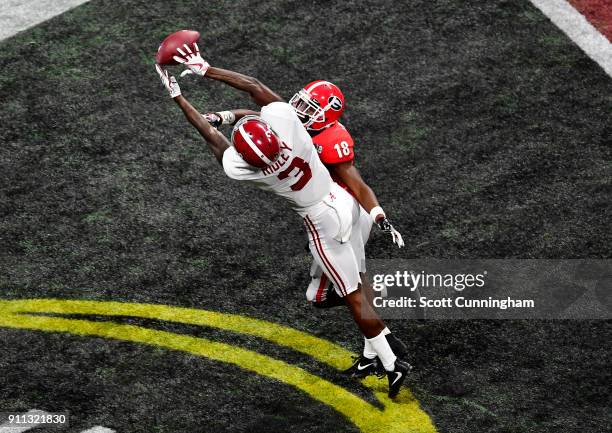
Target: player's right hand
{"type": "Point", "coordinates": [386, 227]}
{"type": "Point", "coordinates": [192, 60]}
{"type": "Point", "coordinates": [214, 119]}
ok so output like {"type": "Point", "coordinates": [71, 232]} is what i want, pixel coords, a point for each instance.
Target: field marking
{"type": "Point", "coordinates": [400, 415]}
{"type": "Point", "coordinates": [329, 353]}
{"type": "Point", "coordinates": [19, 15]}
{"type": "Point", "coordinates": [578, 29]}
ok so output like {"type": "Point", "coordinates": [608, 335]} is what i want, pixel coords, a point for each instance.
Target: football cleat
{"type": "Point", "coordinates": [330, 299]}
{"type": "Point", "coordinates": [363, 367]}
{"type": "Point", "coordinates": [397, 376]}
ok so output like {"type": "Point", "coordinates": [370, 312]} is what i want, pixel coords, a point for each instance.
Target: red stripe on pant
{"type": "Point", "coordinates": [330, 269]}
{"type": "Point", "coordinates": [317, 241]}
{"type": "Point", "coordinates": [322, 285]}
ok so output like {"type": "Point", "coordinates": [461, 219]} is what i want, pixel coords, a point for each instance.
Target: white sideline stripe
{"type": "Point", "coordinates": [579, 30]}
{"type": "Point", "coordinates": [11, 428]}
{"type": "Point", "coordinates": [99, 429]}
{"type": "Point", "coordinates": [18, 15]}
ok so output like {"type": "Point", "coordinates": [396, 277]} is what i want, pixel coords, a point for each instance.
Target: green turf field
{"type": "Point", "coordinates": [483, 130]}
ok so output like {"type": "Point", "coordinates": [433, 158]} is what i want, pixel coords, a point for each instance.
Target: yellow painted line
{"type": "Point", "coordinates": [400, 415]}
{"type": "Point", "coordinates": [323, 350]}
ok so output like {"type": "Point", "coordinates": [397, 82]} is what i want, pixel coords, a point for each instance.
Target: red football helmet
{"type": "Point", "coordinates": [255, 141]}
{"type": "Point", "coordinates": [318, 104]}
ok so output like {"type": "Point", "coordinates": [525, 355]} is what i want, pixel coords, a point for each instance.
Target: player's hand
{"type": "Point", "coordinates": [192, 60]}
{"type": "Point", "coordinates": [169, 82]}
{"type": "Point", "coordinates": [214, 119]}
{"type": "Point", "coordinates": [386, 227]}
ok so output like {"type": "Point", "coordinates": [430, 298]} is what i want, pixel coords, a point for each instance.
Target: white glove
{"type": "Point", "coordinates": [192, 60]}
{"type": "Point", "coordinates": [397, 237]}
{"type": "Point", "coordinates": [214, 119]}
{"type": "Point", "coordinates": [386, 227]}
{"type": "Point", "coordinates": [169, 82]}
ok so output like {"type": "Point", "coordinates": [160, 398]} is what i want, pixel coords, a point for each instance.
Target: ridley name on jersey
{"type": "Point", "coordinates": [283, 157]}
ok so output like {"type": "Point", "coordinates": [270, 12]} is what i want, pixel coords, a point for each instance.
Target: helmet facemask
{"type": "Point", "coordinates": [308, 109]}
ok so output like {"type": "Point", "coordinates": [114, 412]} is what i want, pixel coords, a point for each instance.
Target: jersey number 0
{"type": "Point", "coordinates": [304, 173]}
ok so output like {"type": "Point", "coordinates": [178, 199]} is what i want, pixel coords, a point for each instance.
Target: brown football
{"type": "Point", "coordinates": [168, 47]}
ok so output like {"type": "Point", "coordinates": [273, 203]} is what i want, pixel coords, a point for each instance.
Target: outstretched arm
{"type": "Point", "coordinates": [191, 58]}
{"type": "Point", "coordinates": [259, 92]}
{"type": "Point", "coordinates": [349, 174]}
{"type": "Point", "coordinates": [215, 140]}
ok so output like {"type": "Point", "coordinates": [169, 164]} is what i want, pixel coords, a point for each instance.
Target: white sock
{"type": "Point", "coordinates": [383, 350]}
{"type": "Point", "coordinates": [368, 350]}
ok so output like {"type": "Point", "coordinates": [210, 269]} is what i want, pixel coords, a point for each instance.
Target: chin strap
{"type": "Point", "coordinates": [316, 131]}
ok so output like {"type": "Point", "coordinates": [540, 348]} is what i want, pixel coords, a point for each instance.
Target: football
{"type": "Point", "coordinates": [168, 47]}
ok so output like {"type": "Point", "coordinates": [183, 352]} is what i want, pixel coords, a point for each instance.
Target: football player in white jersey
{"type": "Point", "coordinates": [319, 111]}
{"type": "Point", "coordinates": [275, 152]}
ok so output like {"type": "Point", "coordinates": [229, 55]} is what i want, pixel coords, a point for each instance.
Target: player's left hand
{"type": "Point", "coordinates": [386, 227]}
{"type": "Point", "coordinates": [169, 82]}
{"type": "Point", "coordinates": [192, 60]}
{"type": "Point", "coordinates": [214, 119]}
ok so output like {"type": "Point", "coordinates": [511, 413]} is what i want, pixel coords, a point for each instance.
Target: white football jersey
{"type": "Point", "coordinates": [298, 174]}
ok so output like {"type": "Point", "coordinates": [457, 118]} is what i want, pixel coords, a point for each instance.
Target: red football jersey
{"type": "Point", "coordinates": [334, 145]}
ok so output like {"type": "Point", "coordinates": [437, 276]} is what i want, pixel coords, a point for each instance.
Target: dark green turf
{"type": "Point", "coordinates": [484, 131]}
{"type": "Point", "coordinates": [137, 388]}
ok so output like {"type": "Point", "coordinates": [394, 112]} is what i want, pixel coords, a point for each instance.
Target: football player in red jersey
{"type": "Point", "coordinates": [319, 105]}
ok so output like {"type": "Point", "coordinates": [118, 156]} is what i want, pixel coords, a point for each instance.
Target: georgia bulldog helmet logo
{"type": "Point", "coordinates": [318, 105]}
